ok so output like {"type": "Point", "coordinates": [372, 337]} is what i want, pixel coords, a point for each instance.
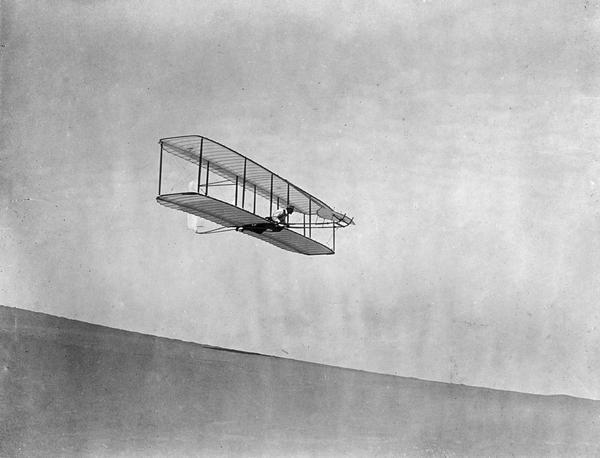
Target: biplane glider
{"type": "Point", "coordinates": [246, 197]}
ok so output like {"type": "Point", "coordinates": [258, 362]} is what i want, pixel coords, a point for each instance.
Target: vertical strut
{"type": "Point", "coordinates": [287, 216]}
{"type": "Point", "coordinates": [200, 163]}
{"type": "Point", "coordinates": [254, 207]}
{"type": "Point", "coordinates": [271, 197]}
{"type": "Point", "coordinates": [309, 217]}
{"type": "Point", "coordinates": [236, 189]}
{"type": "Point", "coordinates": [206, 188]}
{"type": "Point", "coordinates": [160, 168]}
{"type": "Point", "coordinates": [244, 184]}
{"type": "Point", "coordinates": [333, 225]}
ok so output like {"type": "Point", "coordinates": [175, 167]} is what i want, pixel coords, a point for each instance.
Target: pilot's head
{"type": "Point", "coordinates": [290, 210]}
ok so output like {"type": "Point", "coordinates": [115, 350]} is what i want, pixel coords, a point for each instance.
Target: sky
{"type": "Point", "coordinates": [462, 136]}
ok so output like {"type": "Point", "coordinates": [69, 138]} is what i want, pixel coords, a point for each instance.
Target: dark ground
{"type": "Point", "coordinates": [69, 388]}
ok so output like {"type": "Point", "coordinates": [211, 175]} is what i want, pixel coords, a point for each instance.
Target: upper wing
{"type": "Point", "coordinates": [230, 164]}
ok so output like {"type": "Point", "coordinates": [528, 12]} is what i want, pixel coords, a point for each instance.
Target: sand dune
{"type": "Point", "coordinates": [70, 388]}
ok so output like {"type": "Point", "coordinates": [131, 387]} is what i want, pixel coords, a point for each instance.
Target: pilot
{"type": "Point", "coordinates": [280, 215]}
{"type": "Point", "coordinates": [276, 222]}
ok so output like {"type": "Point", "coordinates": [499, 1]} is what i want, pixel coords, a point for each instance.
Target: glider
{"type": "Point", "coordinates": [254, 186]}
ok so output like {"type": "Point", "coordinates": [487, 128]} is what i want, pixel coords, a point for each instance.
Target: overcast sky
{"type": "Point", "coordinates": [462, 136]}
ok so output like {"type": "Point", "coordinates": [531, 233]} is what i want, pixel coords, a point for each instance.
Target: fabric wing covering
{"type": "Point", "coordinates": [229, 215]}
{"type": "Point", "coordinates": [229, 164]}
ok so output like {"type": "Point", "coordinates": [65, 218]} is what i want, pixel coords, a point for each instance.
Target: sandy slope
{"type": "Point", "coordinates": [70, 388]}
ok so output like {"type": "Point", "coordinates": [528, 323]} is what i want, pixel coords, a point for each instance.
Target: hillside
{"type": "Point", "coordinates": [70, 388]}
